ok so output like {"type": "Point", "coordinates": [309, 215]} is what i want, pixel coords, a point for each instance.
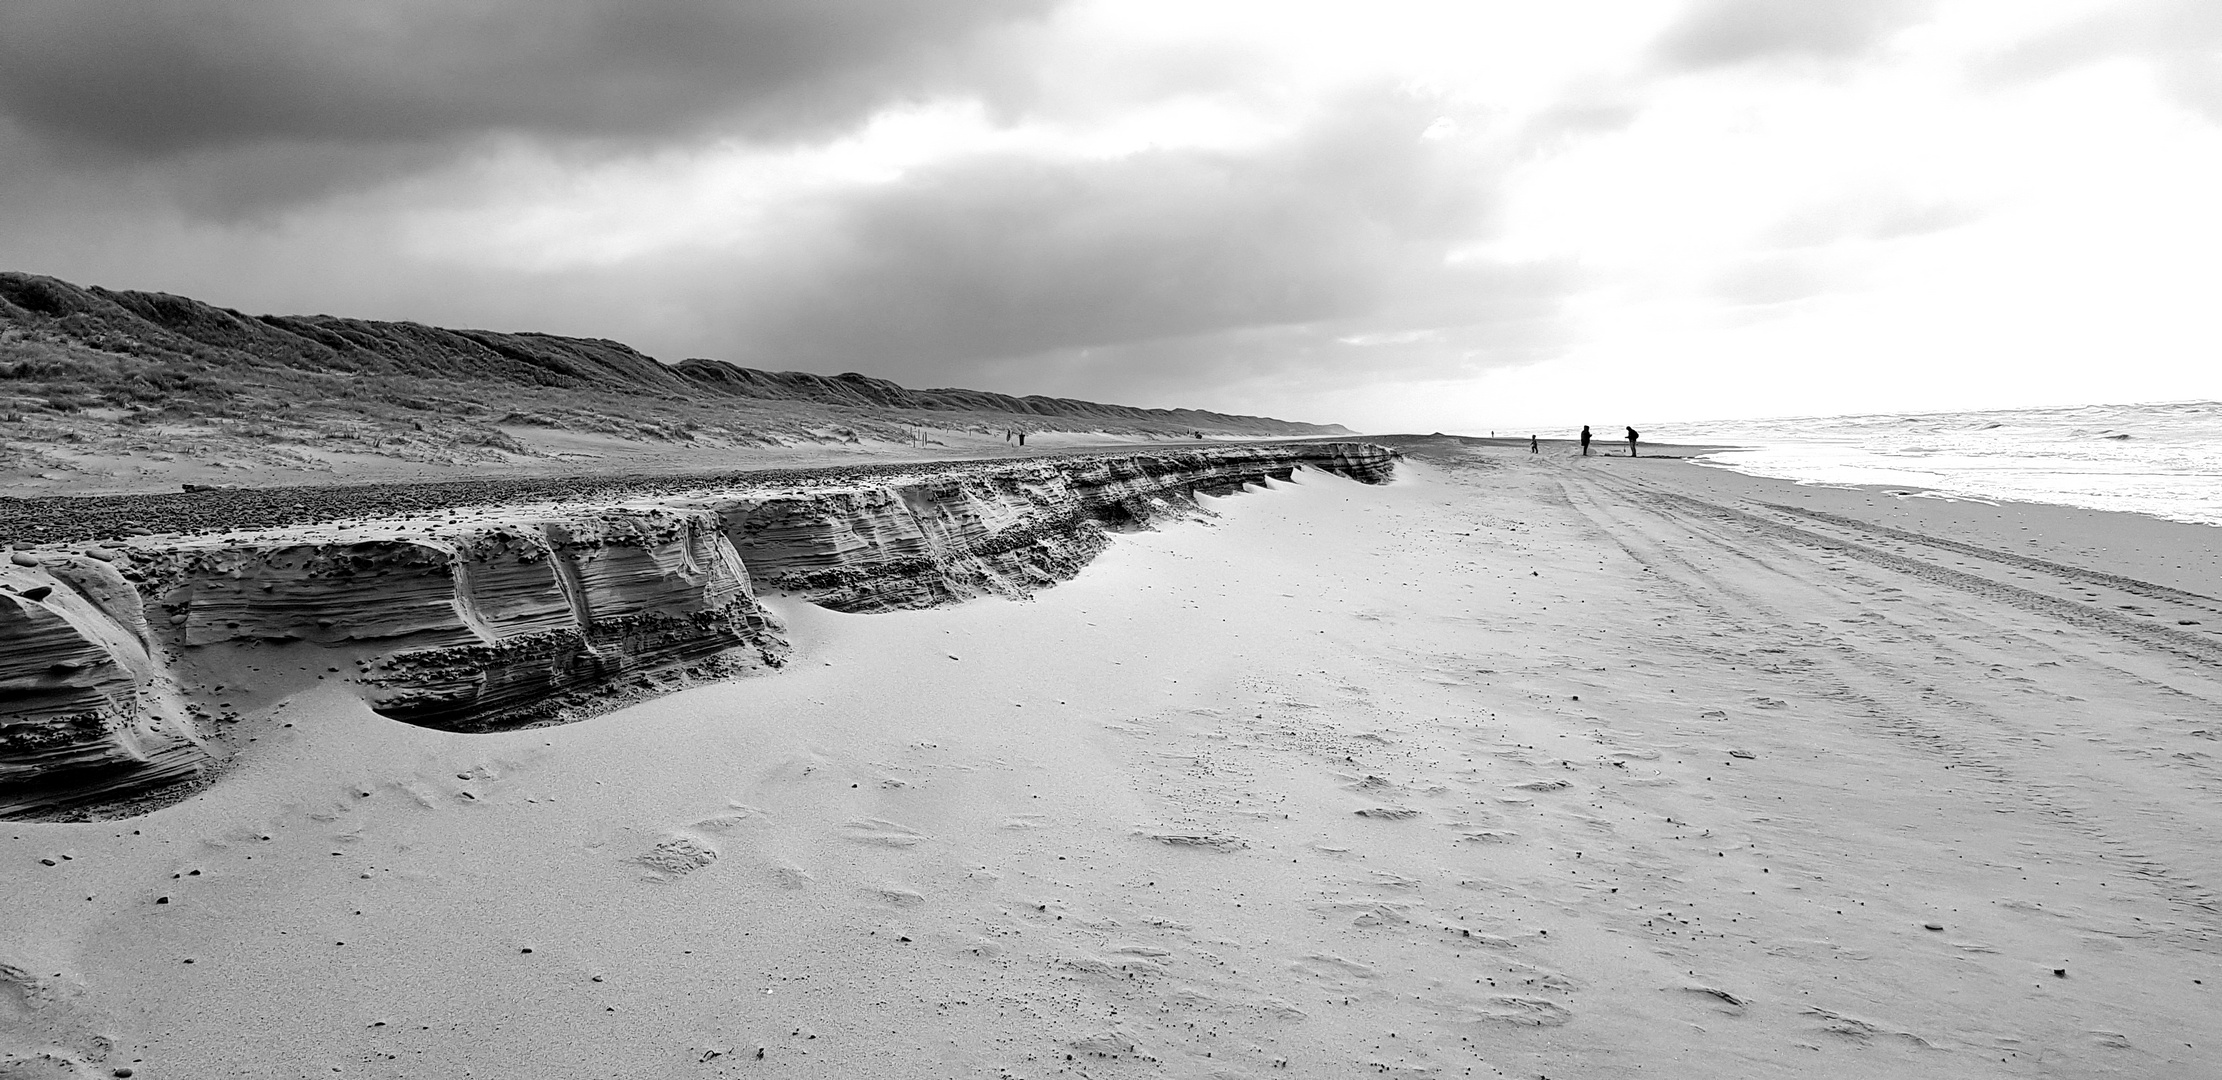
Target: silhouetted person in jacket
{"type": "Point", "coordinates": [1585, 440]}
{"type": "Point", "coordinates": [1631, 442]}
{"type": "Point", "coordinates": [1535, 446]}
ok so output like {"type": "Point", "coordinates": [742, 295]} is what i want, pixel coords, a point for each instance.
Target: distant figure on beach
{"type": "Point", "coordinates": [1585, 440]}
{"type": "Point", "coordinates": [1022, 436]}
{"type": "Point", "coordinates": [1535, 446]}
{"type": "Point", "coordinates": [1631, 442]}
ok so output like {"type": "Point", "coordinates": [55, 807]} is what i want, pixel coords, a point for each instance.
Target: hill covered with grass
{"type": "Point", "coordinates": [92, 372]}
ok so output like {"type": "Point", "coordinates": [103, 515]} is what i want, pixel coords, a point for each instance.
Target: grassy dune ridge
{"type": "Point", "coordinates": [92, 371]}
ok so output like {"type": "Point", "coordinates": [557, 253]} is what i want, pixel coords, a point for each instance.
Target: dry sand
{"type": "Point", "coordinates": [1525, 766]}
{"type": "Point", "coordinates": [38, 468]}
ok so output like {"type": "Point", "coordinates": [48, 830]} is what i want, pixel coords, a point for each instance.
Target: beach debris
{"type": "Point", "coordinates": [1744, 754]}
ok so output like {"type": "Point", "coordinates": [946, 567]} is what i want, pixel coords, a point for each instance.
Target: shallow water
{"type": "Point", "coordinates": [2158, 459]}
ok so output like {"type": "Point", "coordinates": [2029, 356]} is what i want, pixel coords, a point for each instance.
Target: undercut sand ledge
{"type": "Point", "coordinates": [127, 669]}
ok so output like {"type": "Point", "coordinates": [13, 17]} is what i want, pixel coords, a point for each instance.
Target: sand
{"type": "Point", "coordinates": [1522, 765]}
{"type": "Point", "coordinates": [94, 465]}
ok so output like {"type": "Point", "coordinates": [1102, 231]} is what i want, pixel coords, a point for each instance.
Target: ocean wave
{"type": "Point", "coordinates": [2160, 459]}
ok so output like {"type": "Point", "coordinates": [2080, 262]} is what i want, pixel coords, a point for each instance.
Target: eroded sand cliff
{"type": "Point", "coordinates": [496, 616]}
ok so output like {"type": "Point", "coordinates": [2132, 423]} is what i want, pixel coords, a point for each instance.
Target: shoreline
{"type": "Point", "coordinates": [1543, 766]}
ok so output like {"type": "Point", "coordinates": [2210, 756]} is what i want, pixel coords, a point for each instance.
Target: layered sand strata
{"type": "Point", "coordinates": [489, 616]}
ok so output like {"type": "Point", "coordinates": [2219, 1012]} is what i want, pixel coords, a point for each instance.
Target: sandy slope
{"type": "Point", "coordinates": [1520, 766]}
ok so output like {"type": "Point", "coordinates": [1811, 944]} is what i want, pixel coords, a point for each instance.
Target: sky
{"type": "Point", "coordinates": [1391, 214]}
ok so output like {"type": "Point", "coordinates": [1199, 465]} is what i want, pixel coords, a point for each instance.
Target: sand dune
{"type": "Point", "coordinates": [1517, 766]}
{"type": "Point", "coordinates": [137, 392]}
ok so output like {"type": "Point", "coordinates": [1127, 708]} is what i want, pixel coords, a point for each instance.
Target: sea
{"type": "Point", "coordinates": [2160, 459]}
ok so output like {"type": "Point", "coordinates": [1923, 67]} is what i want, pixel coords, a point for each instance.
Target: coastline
{"type": "Point", "coordinates": [2181, 554]}
{"type": "Point", "coordinates": [1542, 766]}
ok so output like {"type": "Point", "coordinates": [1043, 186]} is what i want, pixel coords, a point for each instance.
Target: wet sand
{"type": "Point", "coordinates": [1521, 766]}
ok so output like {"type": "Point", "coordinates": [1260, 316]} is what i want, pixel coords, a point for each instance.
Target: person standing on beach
{"type": "Point", "coordinates": [1585, 440]}
{"type": "Point", "coordinates": [1631, 442]}
{"type": "Point", "coordinates": [1535, 446]}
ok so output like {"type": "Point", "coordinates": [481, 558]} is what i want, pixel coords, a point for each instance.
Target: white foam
{"type": "Point", "coordinates": [2159, 459]}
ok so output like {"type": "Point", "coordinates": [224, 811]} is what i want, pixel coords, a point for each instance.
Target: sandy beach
{"type": "Point", "coordinates": [1520, 765]}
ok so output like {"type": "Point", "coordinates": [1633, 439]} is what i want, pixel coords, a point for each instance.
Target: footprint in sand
{"type": "Point", "coordinates": [1330, 966]}
{"type": "Point", "coordinates": [1182, 838]}
{"type": "Point", "coordinates": [1544, 785]}
{"type": "Point", "coordinates": [1489, 836]}
{"type": "Point", "coordinates": [45, 1032]}
{"type": "Point", "coordinates": [789, 876]}
{"type": "Point", "coordinates": [734, 817]}
{"type": "Point", "coordinates": [678, 855]}
{"type": "Point", "coordinates": [879, 833]}
{"type": "Point", "coordinates": [811, 766]}
{"type": "Point", "coordinates": [896, 895]}
{"type": "Point", "coordinates": [1112, 1044]}
{"type": "Point", "coordinates": [1388, 813]}
{"type": "Point", "coordinates": [1854, 1029]}
{"type": "Point", "coordinates": [1720, 999]}
{"type": "Point", "coordinates": [1539, 979]}
{"type": "Point", "coordinates": [1369, 912]}
{"type": "Point", "coordinates": [1517, 1011]}
{"type": "Point", "coordinates": [1389, 879]}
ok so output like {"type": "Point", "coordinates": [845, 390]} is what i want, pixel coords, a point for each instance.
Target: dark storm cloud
{"type": "Point", "coordinates": [159, 77]}
{"type": "Point", "coordinates": [1717, 33]}
{"type": "Point", "coordinates": [2181, 38]}
{"type": "Point", "coordinates": [1002, 256]}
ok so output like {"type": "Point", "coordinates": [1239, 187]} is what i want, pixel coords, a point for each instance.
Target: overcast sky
{"type": "Point", "coordinates": [1397, 215]}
